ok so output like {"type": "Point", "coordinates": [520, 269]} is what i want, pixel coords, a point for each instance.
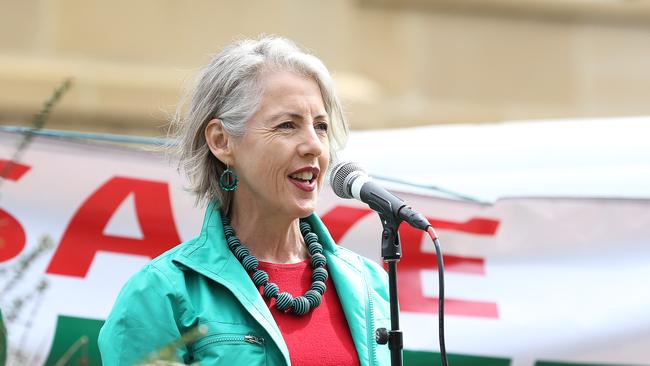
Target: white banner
{"type": "Point", "coordinates": [528, 281]}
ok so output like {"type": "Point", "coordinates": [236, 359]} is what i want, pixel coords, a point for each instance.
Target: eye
{"type": "Point", "coordinates": [286, 125]}
{"type": "Point", "coordinates": [321, 126]}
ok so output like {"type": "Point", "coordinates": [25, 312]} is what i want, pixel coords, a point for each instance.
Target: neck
{"type": "Point", "coordinates": [269, 237]}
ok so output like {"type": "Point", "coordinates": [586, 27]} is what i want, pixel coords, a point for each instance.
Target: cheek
{"type": "Point", "coordinates": [269, 169]}
{"type": "Point", "coordinates": [325, 155]}
{"type": "Point", "coordinates": [260, 174]}
{"type": "Point", "coordinates": [272, 173]}
{"type": "Point", "coordinates": [324, 162]}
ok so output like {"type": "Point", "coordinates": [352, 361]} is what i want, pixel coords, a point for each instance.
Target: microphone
{"type": "Point", "coordinates": [350, 180]}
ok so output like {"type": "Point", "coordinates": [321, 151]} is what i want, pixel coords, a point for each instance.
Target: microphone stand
{"type": "Point", "coordinates": [350, 181]}
{"type": "Point", "coordinates": [391, 252]}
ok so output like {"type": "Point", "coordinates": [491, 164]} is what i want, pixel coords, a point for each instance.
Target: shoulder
{"type": "Point", "coordinates": [368, 265]}
{"type": "Point", "coordinates": [151, 299]}
{"type": "Point", "coordinates": [155, 281]}
{"type": "Point", "coordinates": [158, 281]}
{"type": "Point", "coordinates": [159, 275]}
{"type": "Point", "coordinates": [373, 273]}
{"type": "Point", "coordinates": [166, 267]}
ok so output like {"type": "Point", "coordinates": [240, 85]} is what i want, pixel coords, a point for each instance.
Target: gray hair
{"type": "Point", "coordinates": [229, 88]}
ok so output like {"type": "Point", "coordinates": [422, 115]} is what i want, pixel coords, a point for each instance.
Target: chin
{"type": "Point", "coordinates": [304, 210]}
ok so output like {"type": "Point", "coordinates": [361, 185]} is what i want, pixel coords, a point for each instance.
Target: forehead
{"type": "Point", "coordinates": [288, 92]}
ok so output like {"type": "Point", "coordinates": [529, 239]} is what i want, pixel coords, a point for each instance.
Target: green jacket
{"type": "Point", "coordinates": [200, 282]}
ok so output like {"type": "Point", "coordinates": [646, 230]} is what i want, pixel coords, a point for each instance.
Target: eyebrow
{"type": "Point", "coordinates": [295, 116]}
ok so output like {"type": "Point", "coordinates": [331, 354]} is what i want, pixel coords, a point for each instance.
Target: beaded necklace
{"type": "Point", "coordinates": [284, 301]}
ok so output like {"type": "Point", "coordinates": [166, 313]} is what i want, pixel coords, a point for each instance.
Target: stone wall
{"type": "Point", "coordinates": [395, 64]}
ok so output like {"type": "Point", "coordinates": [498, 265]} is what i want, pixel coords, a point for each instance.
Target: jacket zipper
{"type": "Point", "coordinates": [371, 328]}
{"type": "Point", "coordinates": [230, 338]}
{"type": "Point", "coordinates": [253, 339]}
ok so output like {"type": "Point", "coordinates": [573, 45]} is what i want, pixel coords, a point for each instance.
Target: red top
{"type": "Point", "coordinates": [320, 337]}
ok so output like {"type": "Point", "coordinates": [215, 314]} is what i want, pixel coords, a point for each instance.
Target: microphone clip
{"type": "Point", "coordinates": [391, 247]}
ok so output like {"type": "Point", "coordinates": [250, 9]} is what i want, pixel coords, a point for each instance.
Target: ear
{"type": "Point", "coordinates": [219, 141]}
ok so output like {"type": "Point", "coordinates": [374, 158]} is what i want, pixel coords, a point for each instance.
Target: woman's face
{"type": "Point", "coordinates": [283, 155]}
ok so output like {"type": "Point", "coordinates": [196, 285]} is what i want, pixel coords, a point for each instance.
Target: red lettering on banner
{"type": "Point", "coordinates": [340, 219]}
{"type": "Point", "coordinates": [414, 260]}
{"type": "Point", "coordinates": [12, 170]}
{"type": "Point", "coordinates": [84, 236]}
{"type": "Point", "coordinates": [478, 226]}
{"type": "Point", "coordinates": [12, 236]}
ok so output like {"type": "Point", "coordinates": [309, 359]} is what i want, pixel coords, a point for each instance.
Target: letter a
{"type": "Point", "coordinates": [85, 236]}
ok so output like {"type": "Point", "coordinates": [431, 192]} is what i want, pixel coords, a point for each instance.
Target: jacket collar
{"type": "Point", "coordinates": [210, 256]}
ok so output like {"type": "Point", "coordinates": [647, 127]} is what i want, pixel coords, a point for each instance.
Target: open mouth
{"type": "Point", "coordinates": [305, 178]}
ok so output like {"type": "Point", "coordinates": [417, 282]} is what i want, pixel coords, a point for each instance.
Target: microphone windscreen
{"type": "Point", "coordinates": [341, 175]}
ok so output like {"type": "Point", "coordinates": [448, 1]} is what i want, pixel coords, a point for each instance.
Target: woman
{"type": "Point", "coordinates": [264, 280]}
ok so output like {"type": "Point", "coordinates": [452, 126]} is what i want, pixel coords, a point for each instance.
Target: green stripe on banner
{"type": "Point", "coordinates": [75, 342]}
{"type": "Point", "coordinates": [3, 341]}
{"type": "Point", "coordinates": [417, 358]}
{"type": "Point", "coordinates": [556, 363]}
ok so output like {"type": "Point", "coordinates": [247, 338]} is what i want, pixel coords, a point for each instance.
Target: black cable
{"type": "Point", "coordinates": [441, 296]}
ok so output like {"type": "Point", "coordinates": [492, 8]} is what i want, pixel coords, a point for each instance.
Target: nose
{"type": "Point", "coordinates": [311, 143]}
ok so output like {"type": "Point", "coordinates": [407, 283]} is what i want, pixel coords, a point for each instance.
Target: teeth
{"type": "Point", "coordinates": [303, 176]}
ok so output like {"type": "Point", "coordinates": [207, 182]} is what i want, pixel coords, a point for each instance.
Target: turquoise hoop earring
{"type": "Point", "coordinates": [228, 180]}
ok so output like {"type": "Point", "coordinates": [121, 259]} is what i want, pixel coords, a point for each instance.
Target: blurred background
{"type": "Point", "coordinates": [475, 100]}
{"type": "Point", "coordinates": [396, 63]}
